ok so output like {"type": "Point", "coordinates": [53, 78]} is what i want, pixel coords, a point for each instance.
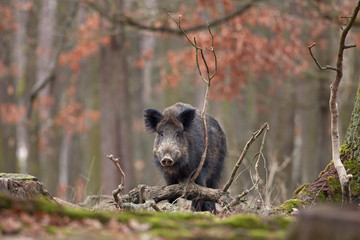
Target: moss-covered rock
{"type": "Point", "coordinates": [288, 205]}
{"type": "Point", "coordinates": [22, 186]}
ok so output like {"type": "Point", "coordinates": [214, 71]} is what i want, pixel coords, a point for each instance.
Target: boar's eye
{"type": "Point", "coordinates": [177, 134]}
{"type": "Point", "coordinates": [161, 133]}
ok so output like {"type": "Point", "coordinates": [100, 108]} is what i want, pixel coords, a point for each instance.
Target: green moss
{"type": "Point", "coordinates": [44, 204]}
{"type": "Point", "coordinates": [299, 189]}
{"type": "Point", "coordinates": [50, 229]}
{"type": "Point", "coordinates": [352, 166]}
{"type": "Point", "coordinates": [202, 223]}
{"type": "Point", "coordinates": [260, 234]}
{"type": "Point", "coordinates": [18, 176]}
{"type": "Point", "coordinates": [283, 221]}
{"type": "Point", "coordinates": [331, 164]}
{"type": "Point", "coordinates": [335, 186]}
{"type": "Point", "coordinates": [165, 233]}
{"type": "Point", "coordinates": [247, 221]}
{"type": "Point", "coordinates": [321, 196]}
{"type": "Point", "coordinates": [85, 213]}
{"type": "Point", "coordinates": [290, 204]}
{"type": "Point", "coordinates": [158, 222]}
{"type": "Point", "coordinates": [5, 201]}
{"type": "Point", "coordinates": [280, 234]}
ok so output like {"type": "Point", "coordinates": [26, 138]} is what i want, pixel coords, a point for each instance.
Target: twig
{"type": "Point", "coordinates": [117, 191]}
{"type": "Point", "coordinates": [154, 206]}
{"type": "Point", "coordinates": [143, 206]}
{"type": "Point", "coordinates": [255, 135]}
{"type": "Point", "coordinates": [327, 67]}
{"type": "Point", "coordinates": [256, 184]}
{"type": "Point", "coordinates": [317, 194]}
{"type": "Point", "coordinates": [116, 162]}
{"type": "Point", "coordinates": [141, 193]}
{"type": "Point", "coordinates": [238, 198]}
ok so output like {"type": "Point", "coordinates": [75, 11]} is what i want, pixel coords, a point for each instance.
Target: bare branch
{"type": "Point", "coordinates": [260, 155]}
{"type": "Point", "coordinates": [255, 135]}
{"type": "Point", "coordinates": [117, 191]}
{"type": "Point", "coordinates": [350, 46]}
{"type": "Point", "coordinates": [116, 162]}
{"type": "Point", "coordinates": [136, 24]}
{"type": "Point", "coordinates": [317, 62]}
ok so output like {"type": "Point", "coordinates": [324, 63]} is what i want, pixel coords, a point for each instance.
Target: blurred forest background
{"type": "Point", "coordinates": [75, 77]}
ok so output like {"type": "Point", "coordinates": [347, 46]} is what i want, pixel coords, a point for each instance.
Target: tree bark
{"type": "Point", "coordinates": [22, 136]}
{"type": "Point", "coordinates": [45, 44]}
{"type": "Point", "coordinates": [7, 131]}
{"type": "Point", "coordinates": [114, 110]}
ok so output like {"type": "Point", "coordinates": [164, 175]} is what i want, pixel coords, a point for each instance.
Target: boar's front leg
{"type": "Point", "coordinates": [201, 205]}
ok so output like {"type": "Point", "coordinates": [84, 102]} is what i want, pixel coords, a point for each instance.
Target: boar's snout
{"type": "Point", "coordinates": [167, 161]}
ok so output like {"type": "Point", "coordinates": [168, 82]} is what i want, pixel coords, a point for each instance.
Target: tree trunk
{"type": "Point", "coordinates": [7, 128]}
{"type": "Point", "coordinates": [115, 111]}
{"type": "Point", "coordinates": [326, 188]}
{"type": "Point", "coordinates": [22, 137]}
{"type": "Point", "coordinates": [45, 44]}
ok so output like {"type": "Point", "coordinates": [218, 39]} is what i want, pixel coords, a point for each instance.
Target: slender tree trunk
{"type": "Point", "coordinates": [115, 111]}
{"type": "Point", "coordinates": [45, 44]}
{"type": "Point", "coordinates": [323, 134]}
{"type": "Point", "coordinates": [7, 130]}
{"type": "Point", "coordinates": [64, 162]}
{"type": "Point", "coordinates": [22, 138]}
{"type": "Point", "coordinates": [327, 186]}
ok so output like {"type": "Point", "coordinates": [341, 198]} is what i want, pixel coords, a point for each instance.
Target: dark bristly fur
{"type": "Point", "coordinates": [180, 137]}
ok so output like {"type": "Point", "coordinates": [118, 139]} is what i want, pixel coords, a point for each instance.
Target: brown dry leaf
{"type": "Point", "coordinates": [26, 218]}
{"type": "Point", "coordinates": [92, 223]}
{"type": "Point", "coordinates": [10, 225]}
{"type": "Point", "coordinates": [135, 225]}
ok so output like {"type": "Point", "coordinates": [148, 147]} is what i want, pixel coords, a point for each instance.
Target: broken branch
{"type": "Point", "coordinates": [255, 135]}
{"type": "Point", "coordinates": [327, 67]}
{"type": "Point", "coordinates": [117, 191]}
{"type": "Point", "coordinates": [116, 162]}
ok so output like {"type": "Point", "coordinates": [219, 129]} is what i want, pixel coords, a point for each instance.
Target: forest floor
{"type": "Point", "coordinates": [42, 219]}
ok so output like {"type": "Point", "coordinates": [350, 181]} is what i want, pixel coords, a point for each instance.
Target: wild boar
{"type": "Point", "coordinates": [179, 145]}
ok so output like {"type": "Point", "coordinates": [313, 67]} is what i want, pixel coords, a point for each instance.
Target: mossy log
{"type": "Point", "coordinates": [22, 186]}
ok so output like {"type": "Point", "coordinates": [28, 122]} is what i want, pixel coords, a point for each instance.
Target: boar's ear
{"type": "Point", "coordinates": [186, 117]}
{"type": "Point", "coordinates": [152, 118]}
